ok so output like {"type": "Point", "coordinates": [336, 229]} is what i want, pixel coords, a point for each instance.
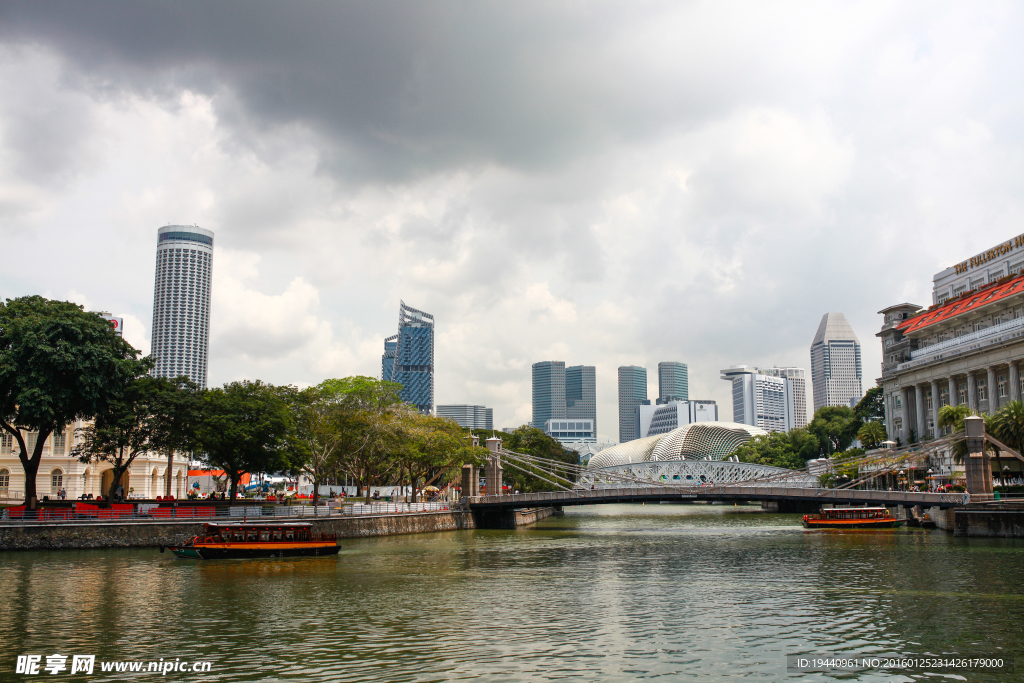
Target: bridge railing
{"type": "Point", "coordinates": [746, 491]}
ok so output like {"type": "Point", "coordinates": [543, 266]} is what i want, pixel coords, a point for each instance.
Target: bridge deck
{"type": "Point", "coordinates": [636, 494]}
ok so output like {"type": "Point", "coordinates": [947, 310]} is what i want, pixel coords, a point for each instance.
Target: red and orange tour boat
{"type": "Point", "coordinates": [852, 518]}
{"type": "Point", "coordinates": [243, 540]}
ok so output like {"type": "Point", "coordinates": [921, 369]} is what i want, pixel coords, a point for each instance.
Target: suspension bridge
{"type": "Point", "coordinates": [680, 481]}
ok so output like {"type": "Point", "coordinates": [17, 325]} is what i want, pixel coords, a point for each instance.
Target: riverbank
{"type": "Point", "coordinates": [139, 534]}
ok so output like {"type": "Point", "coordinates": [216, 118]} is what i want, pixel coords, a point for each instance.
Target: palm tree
{"type": "Point", "coordinates": [953, 417]}
{"type": "Point", "coordinates": [1008, 426]}
{"type": "Point", "coordinates": [872, 434]}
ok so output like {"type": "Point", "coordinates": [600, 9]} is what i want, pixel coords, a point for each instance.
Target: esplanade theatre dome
{"type": "Point", "coordinates": [695, 441]}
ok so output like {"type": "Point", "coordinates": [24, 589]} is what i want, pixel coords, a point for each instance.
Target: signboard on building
{"type": "Point", "coordinates": [116, 323]}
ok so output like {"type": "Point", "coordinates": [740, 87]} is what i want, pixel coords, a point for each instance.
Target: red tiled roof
{"type": "Point", "coordinates": [964, 303]}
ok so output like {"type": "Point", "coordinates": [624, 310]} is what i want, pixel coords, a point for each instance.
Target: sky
{"type": "Point", "coordinates": [603, 183]}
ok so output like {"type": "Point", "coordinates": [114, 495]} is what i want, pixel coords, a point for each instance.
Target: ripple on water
{"type": "Point", "coordinates": [612, 593]}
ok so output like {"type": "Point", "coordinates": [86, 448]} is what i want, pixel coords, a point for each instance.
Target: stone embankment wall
{"type": "Point", "coordinates": [1002, 521]}
{"type": "Point", "coordinates": [58, 536]}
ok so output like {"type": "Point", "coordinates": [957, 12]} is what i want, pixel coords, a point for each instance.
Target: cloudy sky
{"type": "Point", "coordinates": [603, 183]}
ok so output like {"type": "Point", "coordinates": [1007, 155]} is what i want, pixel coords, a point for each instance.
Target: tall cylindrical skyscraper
{"type": "Point", "coordinates": [181, 302]}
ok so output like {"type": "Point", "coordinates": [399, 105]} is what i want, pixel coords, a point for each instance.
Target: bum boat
{"type": "Point", "coordinates": [852, 518]}
{"type": "Point", "coordinates": [241, 540]}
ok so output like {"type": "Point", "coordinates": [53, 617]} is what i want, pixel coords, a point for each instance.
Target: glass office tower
{"type": "Point", "coordinates": [412, 365]}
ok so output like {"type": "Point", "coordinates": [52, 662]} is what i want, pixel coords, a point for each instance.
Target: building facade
{"type": "Point", "coordinates": [664, 417]}
{"type": "Point", "coordinates": [762, 400]}
{"type": "Point", "coordinates": [412, 362]}
{"type": "Point", "coordinates": [59, 469]}
{"type": "Point", "coordinates": [548, 392]}
{"type": "Point", "coordinates": [835, 363]}
{"type": "Point", "coordinates": [993, 264]}
{"type": "Point", "coordinates": [673, 382]}
{"type": "Point", "coordinates": [966, 350]}
{"type": "Point", "coordinates": [632, 392]}
{"type": "Point", "coordinates": [581, 393]}
{"type": "Point", "coordinates": [798, 381]}
{"type": "Point", "coordinates": [569, 432]}
{"type": "Point", "coordinates": [468, 416]}
{"type": "Point", "coordinates": [181, 302]}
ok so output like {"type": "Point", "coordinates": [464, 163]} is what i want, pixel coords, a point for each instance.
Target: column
{"type": "Point", "coordinates": [954, 396]}
{"type": "Point", "coordinates": [1014, 380]}
{"type": "Point", "coordinates": [905, 413]}
{"type": "Point", "coordinates": [919, 406]}
{"type": "Point", "coordinates": [935, 408]}
{"type": "Point", "coordinates": [993, 394]}
{"type": "Point", "coordinates": [972, 391]}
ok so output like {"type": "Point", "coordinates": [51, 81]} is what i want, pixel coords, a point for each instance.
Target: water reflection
{"type": "Point", "coordinates": [605, 593]}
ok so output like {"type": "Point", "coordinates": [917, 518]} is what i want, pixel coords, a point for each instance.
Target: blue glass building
{"type": "Point", "coordinates": [409, 358]}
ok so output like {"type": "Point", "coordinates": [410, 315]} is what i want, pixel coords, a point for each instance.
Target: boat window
{"type": "Point", "coordinates": [265, 536]}
{"type": "Point", "coordinates": [289, 535]}
{"type": "Point", "coordinates": [252, 535]}
{"type": "Point", "coordinates": [277, 535]}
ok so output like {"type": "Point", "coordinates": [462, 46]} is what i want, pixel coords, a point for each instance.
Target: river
{"type": "Point", "coordinates": [603, 593]}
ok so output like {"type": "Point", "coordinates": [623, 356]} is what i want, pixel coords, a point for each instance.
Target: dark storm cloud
{"type": "Point", "coordinates": [397, 88]}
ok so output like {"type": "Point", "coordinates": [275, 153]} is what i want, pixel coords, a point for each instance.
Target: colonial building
{"type": "Point", "coordinates": [59, 469]}
{"type": "Point", "coordinates": [964, 349]}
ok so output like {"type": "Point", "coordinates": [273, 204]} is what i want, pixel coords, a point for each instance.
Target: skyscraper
{"type": "Point", "coordinates": [761, 400]}
{"type": "Point", "coordinates": [548, 392]}
{"type": "Point", "coordinates": [798, 379]}
{"type": "Point", "coordinates": [181, 302]}
{"type": "Point", "coordinates": [835, 363]}
{"type": "Point", "coordinates": [632, 392]}
{"type": "Point", "coordinates": [673, 382]}
{"type": "Point", "coordinates": [581, 393]}
{"type": "Point", "coordinates": [412, 362]}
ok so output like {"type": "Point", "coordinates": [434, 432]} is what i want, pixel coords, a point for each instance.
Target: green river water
{"type": "Point", "coordinates": [604, 593]}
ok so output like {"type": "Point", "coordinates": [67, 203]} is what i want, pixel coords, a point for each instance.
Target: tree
{"type": "Point", "coordinates": [57, 364]}
{"type": "Point", "coordinates": [244, 427]}
{"type": "Point", "coordinates": [371, 422]}
{"type": "Point", "coordinates": [872, 434]}
{"type": "Point", "coordinates": [775, 449]}
{"type": "Point", "coordinates": [953, 417]}
{"type": "Point", "coordinates": [434, 446]}
{"type": "Point", "coordinates": [319, 417]}
{"type": "Point", "coordinates": [146, 416]}
{"type": "Point", "coordinates": [871, 408]}
{"type": "Point", "coordinates": [835, 428]}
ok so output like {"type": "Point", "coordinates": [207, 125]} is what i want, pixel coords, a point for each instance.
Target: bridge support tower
{"type": "Point", "coordinates": [493, 471]}
{"type": "Point", "coordinates": [977, 463]}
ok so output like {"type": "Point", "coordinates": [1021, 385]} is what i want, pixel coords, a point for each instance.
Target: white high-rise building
{"type": "Point", "coordinates": [799, 389]}
{"type": "Point", "coordinates": [468, 416]}
{"type": "Point", "coordinates": [181, 302]}
{"type": "Point", "coordinates": [835, 363]}
{"type": "Point", "coordinates": [761, 400]}
{"type": "Point", "coordinates": [663, 417]}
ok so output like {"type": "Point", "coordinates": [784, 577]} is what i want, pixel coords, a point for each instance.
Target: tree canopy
{"type": "Point", "coordinates": [58, 363]}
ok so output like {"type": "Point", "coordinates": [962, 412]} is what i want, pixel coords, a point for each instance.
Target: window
{"type": "Point", "coordinates": [1002, 386]}
{"type": "Point", "coordinates": [6, 441]}
{"type": "Point", "coordinates": [5, 480]}
{"type": "Point", "coordinates": [929, 402]}
{"type": "Point", "coordinates": [56, 481]}
{"type": "Point", "coordinates": [58, 443]}
{"type": "Point", "coordinates": [982, 389]}
{"type": "Point", "coordinates": [961, 391]}
{"type": "Point", "coordinates": [30, 441]}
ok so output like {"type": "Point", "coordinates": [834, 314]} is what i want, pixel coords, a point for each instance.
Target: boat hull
{"type": "Point", "coordinates": [853, 524]}
{"type": "Point", "coordinates": [201, 552]}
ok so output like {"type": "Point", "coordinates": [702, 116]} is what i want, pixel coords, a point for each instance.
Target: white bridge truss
{"type": "Point", "coordinates": [696, 473]}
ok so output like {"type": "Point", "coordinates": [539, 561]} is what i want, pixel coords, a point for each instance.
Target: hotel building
{"type": "Point", "coordinates": [966, 348]}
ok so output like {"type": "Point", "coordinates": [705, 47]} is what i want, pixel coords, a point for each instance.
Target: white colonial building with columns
{"type": "Point", "coordinates": [59, 469]}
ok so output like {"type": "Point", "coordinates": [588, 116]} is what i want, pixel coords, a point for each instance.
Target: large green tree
{"type": "Point", "coordinates": [150, 414]}
{"type": "Point", "coordinates": [871, 408]}
{"type": "Point", "coordinates": [790, 449]}
{"type": "Point", "coordinates": [58, 363]}
{"type": "Point", "coordinates": [245, 427]}
{"type": "Point", "coordinates": [434, 447]}
{"type": "Point", "coordinates": [835, 428]}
